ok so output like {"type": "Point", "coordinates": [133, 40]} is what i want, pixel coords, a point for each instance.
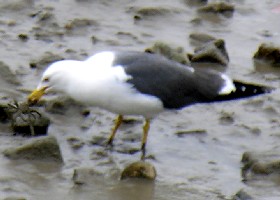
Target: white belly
{"type": "Point", "coordinates": [115, 95]}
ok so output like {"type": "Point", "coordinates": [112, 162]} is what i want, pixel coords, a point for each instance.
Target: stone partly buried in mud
{"type": "Point", "coordinates": [242, 195]}
{"type": "Point", "coordinates": [7, 75]}
{"type": "Point", "coordinates": [211, 52]}
{"type": "Point", "coordinates": [139, 169]}
{"type": "Point", "coordinates": [80, 23]}
{"type": "Point", "coordinates": [261, 164]}
{"type": "Point", "coordinates": [218, 8]}
{"type": "Point", "coordinates": [83, 176]}
{"type": "Point", "coordinates": [15, 198]}
{"type": "Point", "coordinates": [16, 5]}
{"type": "Point", "coordinates": [150, 12]}
{"type": "Point", "coordinates": [46, 59]}
{"type": "Point", "coordinates": [176, 54]}
{"type": "Point", "coordinates": [183, 133]}
{"type": "Point", "coordinates": [75, 143]}
{"type": "Point", "coordinates": [196, 2]}
{"type": "Point", "coordinates": [268, 53]}
{"type": "Point", "coordinates": [61, 105]}
{"type": "Point", "coordinates": [198, 39]}
{"type": "Point", "coordinates": [39, 149]}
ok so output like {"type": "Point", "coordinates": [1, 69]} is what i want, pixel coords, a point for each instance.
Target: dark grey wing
{"type": "Point", "coordinates": [174, 84]}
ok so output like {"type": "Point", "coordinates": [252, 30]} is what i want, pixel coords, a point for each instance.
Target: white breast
{"type": "Point", "coordinates": [106, 87]}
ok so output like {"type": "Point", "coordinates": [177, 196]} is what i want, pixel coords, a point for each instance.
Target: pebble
{"type": "Point", "coordinates": [211, 52]}
{"type": "Point", "coordinates": [242, 195]}
{"type": "Point", "coordinates": [215, 8]}
{"type": "Point", "coordinates": [173, 53]}
{"type": "Point", "coordinates": [7, 75]}
{"type": "Point", "coordinates": [255, 164]}
{"type": "Point", "coordinates": [139, 169]}
{"type": "Point", "coordinates": [15, 198]}
{"type": "Point", "coordinates": [83, 176]}
{"type": "Point", "coordinates": [42, 62]}
{"type": "Point", "coordinates": [75, 143]}
{"type": "Point", "coordinates": [269, 54]}
{"type": "Point", "coordinates": [198, 39]}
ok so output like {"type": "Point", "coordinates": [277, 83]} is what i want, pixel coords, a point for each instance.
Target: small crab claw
{"type": "Point", "coordinates": [36, 95]}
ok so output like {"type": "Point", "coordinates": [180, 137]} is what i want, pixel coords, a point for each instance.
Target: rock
{"type": "Point", "coordinates": [242, 195]}
{"type": "Point", "coordinates": [7, 75]}
{"type": "Point", "coordinates": [151, 12]}
{"type": "Point", "coordinates": [218, 8]}
{"type": "Point", "coordinates": [48, 35]}
{"type": "Point", "coordinates": [226, 118]}
{"type": "Point", "coordinates": [211, 52]}
{"type": "Point", "coordinates": [196, 2]}
{"type": "Point", "coordinates": [99, 140]}
{"type": "Point", "coordinates": [59, 105]}
{"type": "Point", "coordinates": [99, 154]}
{"type": "Point", "coordinates": [127, 149]}
{"type": "Point", "coordinates": [16, 5]}
{"type": "Point", "coordinates": [23, 37]}
{"type": "Point", "coordinates": [127, 37]}
{"type": "Point", "coordinates": [80, 23]}
{"type": "Point", "coordinates": [191, 132]}
{"type": "Point", "coordinates": [45, 60]}
{"type": "Point", "coordinates": [44, 15]}
{"type": "Point", "coordinates": [176, 54]}
{"type": "Point", "coordinates": [198, 39]}
{"type": "Point", "coordinates": [269, 54]}
{"type": "Point", "coordinates": [39, 149]}
{"type": "Point", "coordinates": [47, 28]}
{"type": "Point", "coordinates": [259, 164]}
{"type": "Point", "coordinates": [83, 176]}
{"type": "Point", "coordinates": [139, 169]}
{"type": "Point", "coordinates": [75, 143]}
{"type": "Point", "coordinates": [15, 198]}
{"type": "Point", "coordinates": [254, 130]}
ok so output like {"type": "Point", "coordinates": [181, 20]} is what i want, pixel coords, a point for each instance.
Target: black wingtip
{"type": "Point", "coordinates": [245, 90]}
{"type": "Point", "coordinates": [250, 89]}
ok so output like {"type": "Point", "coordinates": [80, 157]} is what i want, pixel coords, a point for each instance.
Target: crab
{"type": "Point", "coordinates": [23, 111]}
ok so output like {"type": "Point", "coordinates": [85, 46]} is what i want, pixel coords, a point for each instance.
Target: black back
{"type": "Point", "coordinates": [174, 84]}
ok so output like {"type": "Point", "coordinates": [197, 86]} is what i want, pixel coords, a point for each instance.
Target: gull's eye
{"type": "Point", "coordinates": [46, 80]}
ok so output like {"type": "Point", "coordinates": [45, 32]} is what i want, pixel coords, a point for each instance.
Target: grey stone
{"type": "Point", "coordinates": [173, 53]}
{"type": "Point", "coordinates": [7, 75]}
{"type": "Point", "coordinates": [140, 169]}
{"type": "Point", "coordinates": [259, 164]}
{"type": "Point", "coordinates": [268, 53]}
{"type": "Point", "coordinates": [42, 62]}
{"type": "Point", "coordinates": [39, 149]}
{"type": "Point", "coordinates": [219, 7]}
{"type": "Point", "coordinates": [83, 176]}
{"type": "Point", "coordinates": [211, 52]}
{"type": "Point", "coordinates": [242, 195]}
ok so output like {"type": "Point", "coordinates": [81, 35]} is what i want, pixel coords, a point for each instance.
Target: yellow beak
{"type": "Point", "coordinates": [36, 95]}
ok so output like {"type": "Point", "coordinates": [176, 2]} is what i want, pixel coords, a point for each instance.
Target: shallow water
{"type": "Point", "coordinates": [195, 166]}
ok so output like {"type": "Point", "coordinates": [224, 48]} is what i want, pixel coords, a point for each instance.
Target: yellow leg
{"type": "Point", "coordinates": [146, 128]}
{"type": "Point", "coordinates": [118, 122]}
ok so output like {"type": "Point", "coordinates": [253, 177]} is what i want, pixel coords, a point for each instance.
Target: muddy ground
{"type": "Point", "coordinates": [202, 165]}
